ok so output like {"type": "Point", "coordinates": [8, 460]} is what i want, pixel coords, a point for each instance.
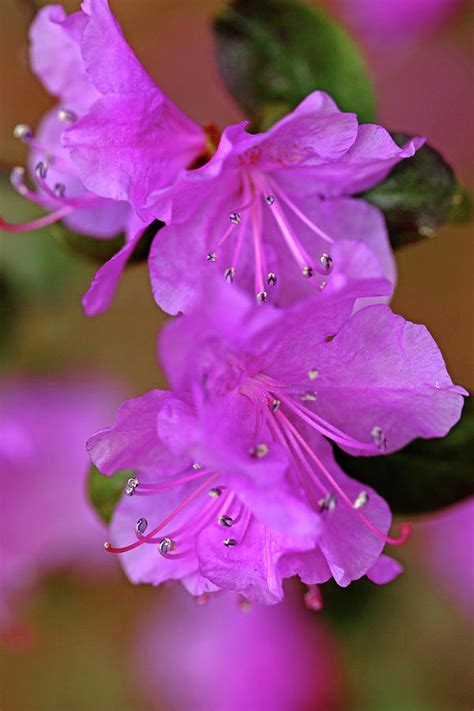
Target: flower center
{"type": "Point", "coordinates": [260, 191]}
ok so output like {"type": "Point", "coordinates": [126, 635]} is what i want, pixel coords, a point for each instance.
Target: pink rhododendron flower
{"type": "Point", "coordinates": [447, 546]}
{"type": "Point", "coordinates": [97, 80]}
{"type": "Point", "coordinates": [46, 522]}
{"type": "Point", "coordinates": [223, 657]}
{"type": "Point", "coordinates": [394, 22]}
{"type": "Point", "coordinates": [274, 209]}
{"type": "Point", "coordinates": [233, 469]}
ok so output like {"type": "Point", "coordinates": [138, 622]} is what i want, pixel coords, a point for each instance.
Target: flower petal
{"type": "Point", "coordinates": [382, 371]}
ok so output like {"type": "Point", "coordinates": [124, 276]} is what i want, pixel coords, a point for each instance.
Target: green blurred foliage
{"type": "Point", "coordinates": [273, 53]}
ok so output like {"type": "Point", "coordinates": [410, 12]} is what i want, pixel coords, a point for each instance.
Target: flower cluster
{"type": "Point", "coordinates": [284, 344]}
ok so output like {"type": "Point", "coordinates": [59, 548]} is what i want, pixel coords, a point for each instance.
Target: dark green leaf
{"type": "Point", "coordinates": [424, 476]}
{"type": "Point", "coordinates": [101, 250]}
{"type": "Point", "coordinates": [273, 53]}
{"type": "Point", "coordinates": [104, 492]}
{"type": "Point", "coordinates": [418, 196]}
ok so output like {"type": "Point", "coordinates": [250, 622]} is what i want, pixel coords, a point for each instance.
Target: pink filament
{"type": "Point", "coordinates": [168, 519]}
{"type": "Point", "coordinates": [36, 224]}
{"type": "Point", "coordinates": [405, 527]}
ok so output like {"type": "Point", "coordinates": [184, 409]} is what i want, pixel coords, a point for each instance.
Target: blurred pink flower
{"type": "Point", "coordinates": [447, 543]}
{"type": "Point", "coordinates": [46, 521]}
{"type": "Point", "coordinates": [385, 23]}
{"type": "Point", "coordinates": [231, 658]}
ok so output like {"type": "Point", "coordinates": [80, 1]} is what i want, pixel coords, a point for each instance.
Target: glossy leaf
{"type": "Point", "coordinates": [419, 195]}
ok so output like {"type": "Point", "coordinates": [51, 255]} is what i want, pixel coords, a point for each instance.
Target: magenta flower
{"type": "Point", "coordinates": [233, 469]}
{"type": "Point", "coordinates": [273, 210]}
{"type": "Point", "coordinates": [231, 659]}
{"type": "Point", "coordinates": [446, 543]}
{"type": "Point", "coordinates": [97, 81]}
{"type": "Point", "coordinates": [46, 521]}
{"type": "Point", "coordinates": [397, 22]}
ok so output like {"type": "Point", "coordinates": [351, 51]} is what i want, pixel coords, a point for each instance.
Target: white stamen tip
{"type": "Point", "coordinates": [215, 492]}
{"type": "Point", "coordinates": [326, 262]}
{"type": "Point", "coordinates": [309, 396]}
{"type": "Point", "coordinates": [308, 272]}
{"type": "Point", "coordinates": [361, 500]}
{"type": "Point", "coordinates": [260, 451]}
{"type": "Point", "coordinates": [67, 116]}
{"type": "Point", "coordinates": [235, 218]}
{"type": "Point", "coordinates": [59, 190]}
{"type": "Point", "coordinates": [262, 297]}
{"type": "Point", "coordinates": [23, 132]}
{"type": "Point", "coordinates": [275, 405]}
{"type": "Point", "coordinates": [131, 485]}
{"type": "Point", "coordinates": [229, 542]}
{"type": "Point", "coordinates": [313, 373]}
{"type": "Point", "coordinates": [329, 503]}
{"type": "Point", "coordinates": [379, 438]}
{"type": "Point", "coordinates": [225, 521]}
{"type": "Point", "coordinates": [270, 199]}
{"type": "Point", "coordinates": [229, 275]}
{"type": "Point", "coordinates": [271, 278]}
{"type": "Point", "coordinates": [141, 525]}
{"type": "Point", "coordinates": [197, 466]}
{"type": "Point", "coordinates": [41, 169]}
{"type": "Point", "coordinates": [211, 256]}
{"type": "Point", "coordinates": [165, 546]}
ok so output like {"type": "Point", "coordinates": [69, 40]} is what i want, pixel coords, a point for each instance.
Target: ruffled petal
{"type": "Point", "coordinates": [381, 371]}
{"type": "Point", "coordinates": [384, 570]}
{"type": "Point", "coordinates": [56, 58]}
{"type": "Point", "coordinates": [133, 442]}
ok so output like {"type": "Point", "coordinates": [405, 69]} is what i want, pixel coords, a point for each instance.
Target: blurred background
{"type": "Point", "coordinates": [83, 638]}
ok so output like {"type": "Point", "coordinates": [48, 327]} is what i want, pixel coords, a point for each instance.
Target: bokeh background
{"type": "Point", "coordinates": [405, 647]}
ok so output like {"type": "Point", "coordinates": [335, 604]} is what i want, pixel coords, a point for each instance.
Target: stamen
{"type": "Point", "coordinates": [404, 528]}
{"type": "Point", "coordinates": [329, 503]}
{"type": "Point", "coordinates": [41, 170]}
{"type": "Point", "coordinates": [235, 218]}
{"type": "Point", "coordinates": [229, 542]}
{"type": "Point", "coordinates": [215, 492]}
{"type": "Point", "coordinates": [262, 297]}
{"type": "Point", "coordinates": [211, 256]}
{"type": "Point", "coordinates": [270, 199]}
{"type": "Point", "coordinates": [141, 525]}
{"type": "Point", "coordinates": [60, 190]}
{"type": "Point", "coordinates": [260, 451]}
{"type": "Point", "coordinates": [225, 521]}
{"type": "Point", "coordinates": [361, 500]}
{"type": "Point", "coordinates": [276, 403]}
{"type": "Point", "coordinates": [308, 397]}
{"type": "Point", "coordinates": [124, 549]}
{"type": "Point", "coordinates": [197, 466]}
{"type": "Point", "coordinates": [67, 116]}
{"type": "Point", "coordinates": [281, 194]}
{"type": "Point", "coordinates": [23, 132]}
{"type": "Point", "coordinates": [271, 279]}
{"type": "Point", "coordinates": [229, 275]}
{"type": "Point", "coordinates": [379, 438]}
{"type": "Point", "coordinates": [166, 545]}
{"type": "Point", "coordinates": [131, 485]}
{"type": "Point", "coordinates": [313, 373]}
{"type": "Point", "coordinates": [36, 224]}
{"type": "Point", "coordinates": [308, 272]}
{"type": "Point", "coordinates": [326, 263]}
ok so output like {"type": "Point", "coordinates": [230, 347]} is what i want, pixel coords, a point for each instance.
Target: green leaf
{"type": "Point", "coordinates": [104, 492]}
{"type": "Point", "coordinates": [424, 476]}
{"type": "Point", "coordinates": [273, 53]}
{"type": "Point", "coordinates": [101, 250]}
{"type": "Point", "coordinates": [419, 195]}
